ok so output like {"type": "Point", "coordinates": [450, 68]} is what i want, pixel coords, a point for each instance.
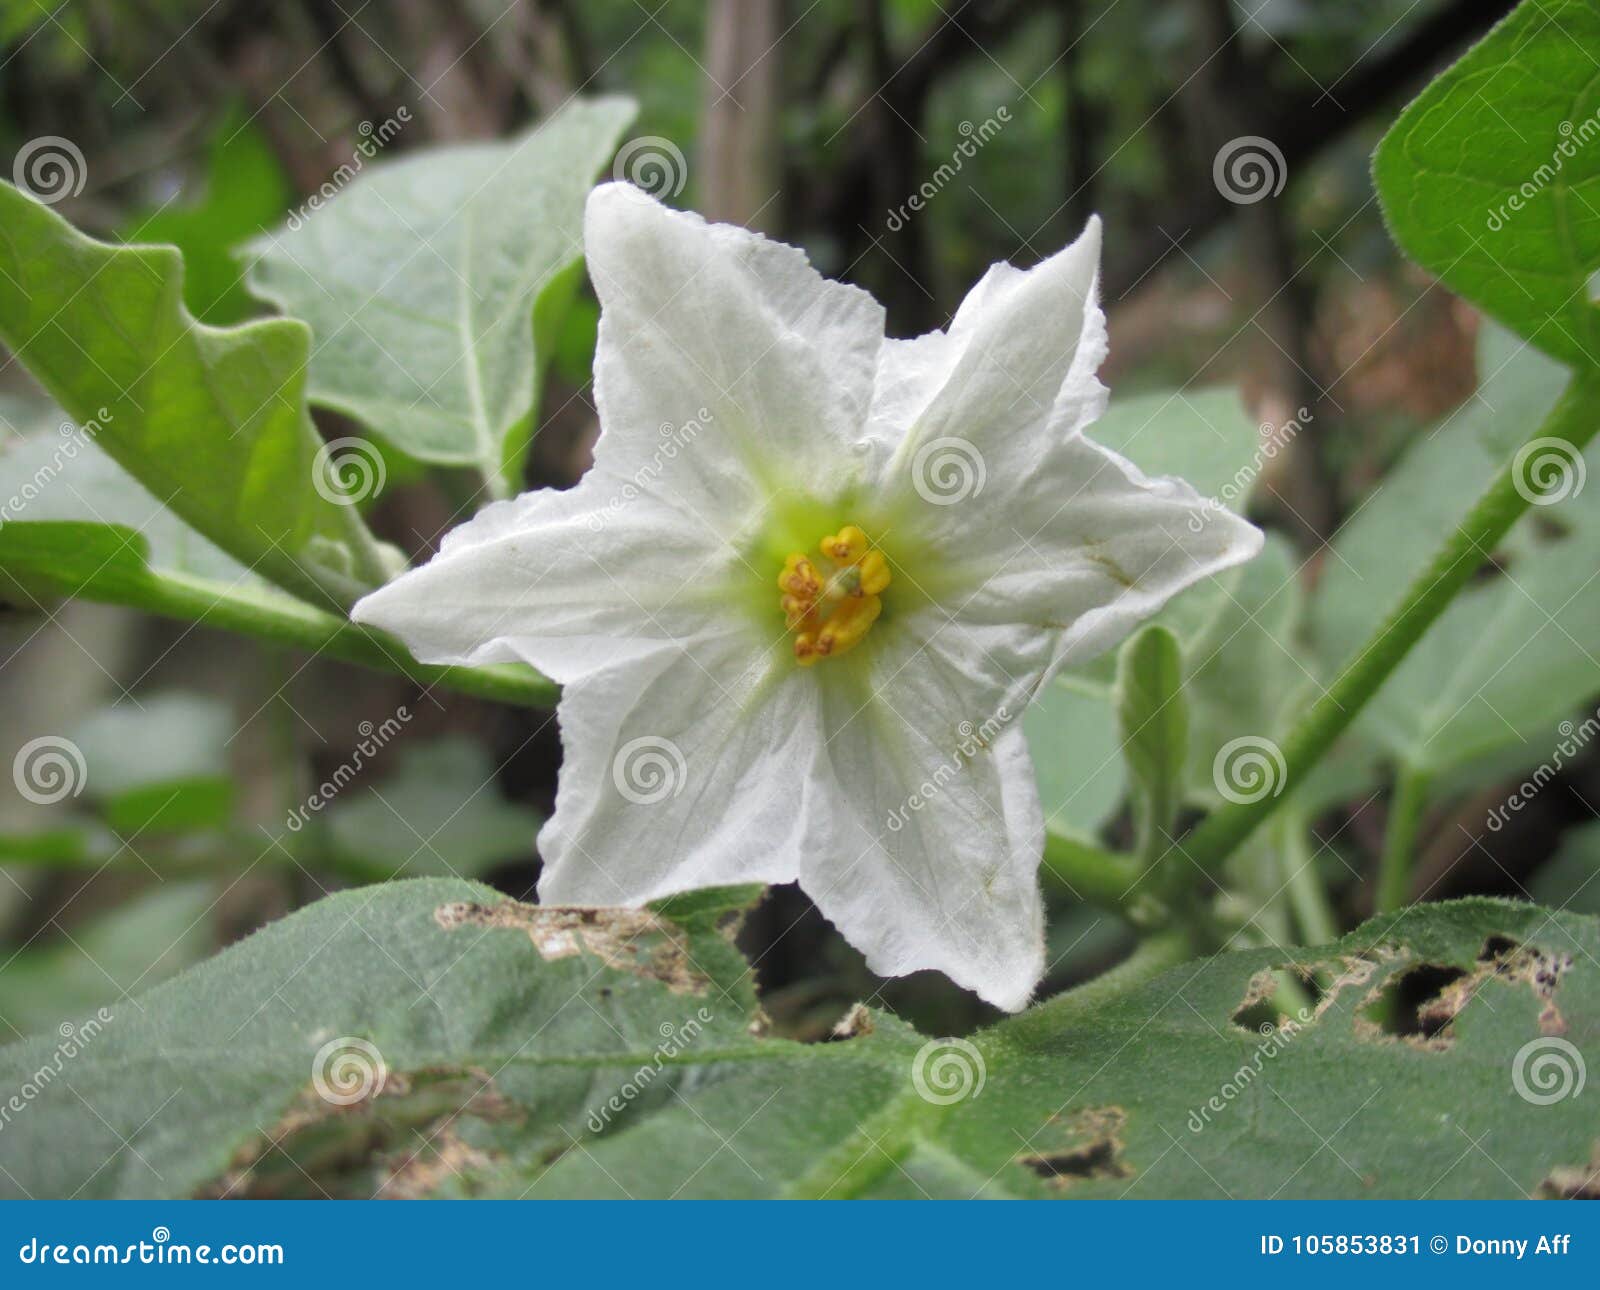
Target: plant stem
{"type": "Point", "coordinates": [1574, 420]}
{"type": "Point", "coordinates": [1308, 898]}
{"type": "Point", "coordinates": [290, 622]}
{"type": "Point", "coordinates": [1101, 877]}
{"type": "Point", "coordinates": [1400, 838]}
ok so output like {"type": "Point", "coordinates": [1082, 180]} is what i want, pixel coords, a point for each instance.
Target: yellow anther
{"type": "Point", "coordinates": [831, 605]}
{"type": "Point", "coordinates": [874, 573]}
{"type": "Point", "coordinates": [846, 546]}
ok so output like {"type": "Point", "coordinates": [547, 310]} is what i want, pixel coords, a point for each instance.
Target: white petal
{"type": "Point", "coordinates": [683, 768]}
{"type": "Point", "coordinates": [1018, 374]}
{"type": "Point", "coordinates": [1068, 569]}
{"type": "Point", "coordinates": [566, 581]}
{"type": "Point", "coordinates": [928, 851]}
{"type": "Point", "coordinates": [1047, 546]}
{"type": "Point", "coordinates": [714, 325]}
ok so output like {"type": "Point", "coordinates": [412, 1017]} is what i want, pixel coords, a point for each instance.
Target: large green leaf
{"type": "Point", "coordinates": [1491, 179]}
{"type": "Point", "coordinates": [427, 279]}
{"type": "Point", "coordinates": [52, 472]}
{"type": "Point", "coordinates": [213, 422]}
{"type": "Point", "coordinates": [431, 1037]}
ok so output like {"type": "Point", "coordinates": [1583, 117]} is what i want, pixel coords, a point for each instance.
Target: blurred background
{"type": "Point", "coordinates": [906, 145]}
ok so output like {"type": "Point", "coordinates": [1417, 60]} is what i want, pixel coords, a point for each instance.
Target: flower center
{"type": "Point", "coordinates": [831, 602]}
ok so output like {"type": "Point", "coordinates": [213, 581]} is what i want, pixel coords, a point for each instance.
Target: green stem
{"type": "Point", "coordinates": [289, 622]}
{"type": "Point", "coordinates": [1400, 838]}
{"type": "Point", "coordinates": [1574, 420]}
{"type": "Point", "coordinates": [1308, 898]}
{"type": "Point", "coordinates": [1101, 877]}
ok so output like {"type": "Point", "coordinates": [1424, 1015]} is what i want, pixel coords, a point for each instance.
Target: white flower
{"type": "Point", "coordinates": [948, 540]}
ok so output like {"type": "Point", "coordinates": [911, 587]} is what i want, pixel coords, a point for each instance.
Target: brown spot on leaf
{"type": "Point", "coordinates": [1573, 1182]}
{"type": "Point", "coordinates": [626, 940]}
{"type": "Point", "coordinates": [1090, 1148]}
{"type": "Point", "coordinates": [854, 1024]}
{"type": "Point", "coordinates": [403, 1136]}
{"type": "Point", "coordinates": [441, 1157]}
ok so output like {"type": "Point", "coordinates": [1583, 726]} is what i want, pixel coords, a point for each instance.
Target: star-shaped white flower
{"type": "Point", "coordinates": [812, 581]}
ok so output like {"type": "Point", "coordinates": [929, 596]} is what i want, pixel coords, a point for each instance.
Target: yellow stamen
{"type": "Point", "coordinates": [831, 604]}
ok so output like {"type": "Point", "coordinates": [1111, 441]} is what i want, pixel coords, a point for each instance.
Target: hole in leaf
{"type": "Point", "coordinates": [1278, 996]}
{"type": "Point", "coordinates": [1414, 1005]}
{"type": "Point", "coordinates": [1096, 1160]}
{"type": "Point", "coordinates": [1090, 1147]}
{"type": "Point", "coordinates": [1498, 947]}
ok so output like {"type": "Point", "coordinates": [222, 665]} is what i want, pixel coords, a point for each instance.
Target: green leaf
{"type": "Point", "coordinates": [430, 1037]}
{"type": "Point", "coordinates": [1072, 736]}
{"type": "Point", "coordinates": [212, 422]}
{"type": "Point", "coordinates": [1203, 437]}
{"type": "Point", "coordinates": [1489, 179]}
{"type": "Point", "coordinates": [439, 813]}
{"type": "Point", "coordinates": [52, 472]}
{"type": "Point", "coordinates": [434, 285]}
{"type": "Point", "coordinates": [245, 190]}
{"type": "Point", "coordinates": [1153, 721]}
